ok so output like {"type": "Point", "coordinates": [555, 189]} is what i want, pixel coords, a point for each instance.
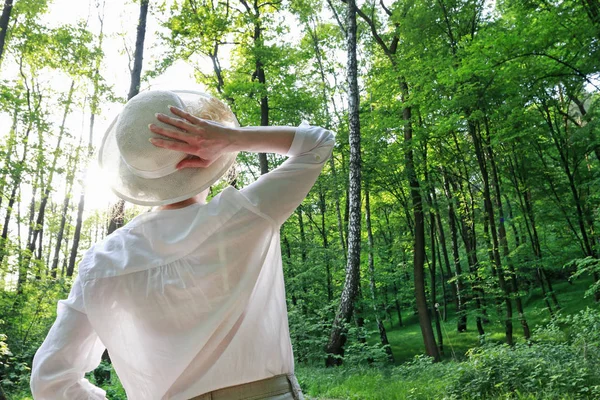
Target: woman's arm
{"type": "Point", "coordinates": [71, 349]}
{"type": "Point", "coordinates": [207, 140]}
{"type": "Point", "coordinates": [275, 194]}
{"type": "Point", "coordinates": [263, 139]}
{"type": "Point", "coordinates": [279, 192]}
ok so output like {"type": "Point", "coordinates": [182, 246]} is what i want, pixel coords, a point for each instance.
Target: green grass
{"type": "Point", "coordinates": [371, 384]}
{"type": "Point", "coordinates": [407, 342]}
{"type": "Point", "coordinates": [416, 380]}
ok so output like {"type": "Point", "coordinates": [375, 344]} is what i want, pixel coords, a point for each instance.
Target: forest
{"type": "Point", "coordinates": [450, 248]}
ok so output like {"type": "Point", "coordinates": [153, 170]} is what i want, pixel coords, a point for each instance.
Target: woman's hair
{"type": "Point", "coordinates": [213, 109]}
{"type": "Point", "coordinates": [231, 176]}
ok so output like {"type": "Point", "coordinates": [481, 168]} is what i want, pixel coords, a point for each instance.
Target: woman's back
{"type": "Point", "coordinates": [189, 300]}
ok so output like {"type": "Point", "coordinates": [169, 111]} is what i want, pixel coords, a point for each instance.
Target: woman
{"type": "Point", "coordinates": [188, 299]}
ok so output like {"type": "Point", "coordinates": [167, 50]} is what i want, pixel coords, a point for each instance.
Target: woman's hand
{"type": "Point", "coordinates": [204, 140]}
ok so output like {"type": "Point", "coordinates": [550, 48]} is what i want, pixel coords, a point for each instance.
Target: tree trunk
{"type": "Point", "coordinates": [336, 194]}
{"type": "Point", "coordinates": [419, 243]}
{"type": "Point", "coordinates": [489, 210]}
{"type": "Point", "coordinates": [59, 236]}
{"type": "Point", "coordinates": [63, 269]}
{"type": "Point", "coordinates": [138, 57]}
{"type": "Point", "coordinates": [323, 208]}
{"type": "Point", "coordinates": [432, 271]}
{"type": "Point", "coordinates": [288, 253]}
{"type": "Point", "coordinates": [63, 216]}
{"type": "Point", "coordinates": [302, 234]}
{"type": "Point", "coordinates": [117, 216]}
{"type": "Point", "coordinates": [442, 239]}
{"type": "Point", "coordinates": [583, 210]}
{"type": "Point", "coordinates": [470, 242]}
{"type": "Point", "coordinates": [17, 178]}
{"type": "Point", "coordinates": [564, 158]}
{"type": "Point", "coordinates": [39, 223]}
{"type": "Point", "coordinates": [302, 253]}
{"type": "Point", "coordinates": [502, 235]}
{"type": "Point", "coordinates": [398, 309]}
{"type": "Point", "coordinates": [337, 339]}
{"type": "Point", "coordinates": [380, 326]}
{"type": "Point", "coordinates": [10, 148]}
{"type": "Point", "coordinates": [93, 110]}
{"type": "Point", "coordinates": [259, 76]}
{"type": "Point", "coordinates": [6, 11]}
{"type": "Point", "coordinates": [443, 280]}
{"type": "Point", "coordinates": [461, 315]}
{"type": "Point", "coordinates": [525, 203]}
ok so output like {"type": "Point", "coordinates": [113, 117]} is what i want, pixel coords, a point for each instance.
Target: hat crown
{"type": "Point", "coordinates": [138, 171]}
{"type": "Point", "coordinates": [132, 134]}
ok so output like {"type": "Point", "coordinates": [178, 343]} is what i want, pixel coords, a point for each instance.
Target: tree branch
{"type": "Point", "coordinates": [269, 3]}
{"type": "Point", "coordinates": [309, 215]}
{"type": "Point", "coordinates": [376, 36]}
{"type": "Point", "coordinates": [558, 60]}
{"type": "Point", "coordinates": [387, 10]}
{"type": "Point", "coordinates": [226, 4]}
{"type": "Point", "coordinates": [337, 18]}
{"type": "Point", "coordinates": [246, 6]}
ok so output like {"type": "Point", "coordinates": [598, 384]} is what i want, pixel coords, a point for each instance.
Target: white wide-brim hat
{"type": "Point", "coordinates": [144, 174]}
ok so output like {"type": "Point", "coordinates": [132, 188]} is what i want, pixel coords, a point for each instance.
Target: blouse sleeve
{"type": "Point", "coordinates": [71, 349]}
{"type": "Point", "coordinates": [278, 193]}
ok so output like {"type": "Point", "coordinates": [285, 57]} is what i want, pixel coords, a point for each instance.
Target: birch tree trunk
{"type": "Point", "coordinates": [337, 338]}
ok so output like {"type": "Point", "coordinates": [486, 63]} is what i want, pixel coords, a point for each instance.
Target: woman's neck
{"type": "Point", "coordinates": [179, 204]}
{"type": "Point", "coordinates": [199, 198]}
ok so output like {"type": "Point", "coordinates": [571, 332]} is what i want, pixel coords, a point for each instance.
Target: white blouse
{"type": "Point", "coordinates": [188, 300]}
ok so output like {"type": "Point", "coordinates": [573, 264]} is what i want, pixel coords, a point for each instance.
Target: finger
{"type": "Point", "coordinates": [182, 136]}
{"type": "Point", "coordinates": [171, 145]}
{"type": "Point", "coordinates": [194, 162]}
{"type": "Point", "coordinates": [185, 115]}
{"type": "Point", "coordinates": [176, 122]}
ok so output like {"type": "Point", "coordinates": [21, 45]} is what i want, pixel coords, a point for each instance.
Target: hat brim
{"type": "Point", "coordinates": [178, 186]}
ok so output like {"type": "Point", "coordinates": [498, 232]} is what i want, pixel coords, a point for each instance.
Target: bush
{"type": "Point", "coordinates": [114, 389]}
{"type": "Point", "coordinates": [14, 371]}
{"type": "Point", "coordinates": [550, 371]}
{"type": "Point", "coordinates": [557, 364]}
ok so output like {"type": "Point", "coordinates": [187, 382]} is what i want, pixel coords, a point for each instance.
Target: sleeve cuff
{"type": "Point", "coordinates": [298, 142]}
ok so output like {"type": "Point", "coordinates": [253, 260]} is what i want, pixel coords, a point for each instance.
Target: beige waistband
{"type": "Point", "coordinates": [265, 388]}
